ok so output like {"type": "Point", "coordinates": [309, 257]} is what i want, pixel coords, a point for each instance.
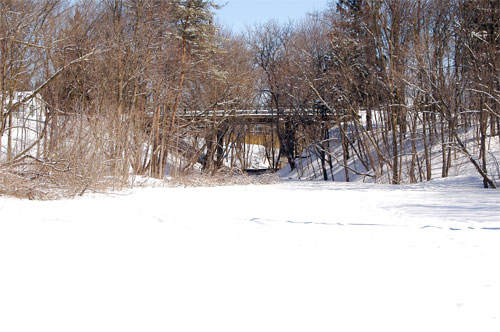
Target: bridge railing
{"type": "Point", "coordinates": [251, 113]}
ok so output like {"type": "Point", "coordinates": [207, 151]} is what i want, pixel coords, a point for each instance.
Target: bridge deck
{"type": "Point", "coordinates": [255, 116]}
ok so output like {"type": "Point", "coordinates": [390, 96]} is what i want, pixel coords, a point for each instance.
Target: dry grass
{"type": "Point", "coordinates": [223, 177]}
{"type": "Point", "coordinates": [26, 186]}
{"type": "Point", "coordinates": [38, 182]}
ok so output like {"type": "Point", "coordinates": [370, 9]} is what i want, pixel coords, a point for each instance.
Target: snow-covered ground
{"type": "Point", "coordinates": [254, 155]}
{"type": "Point", "coordinates": [296, 256]}
{"type": "Point", "coordinates": [25, 125]}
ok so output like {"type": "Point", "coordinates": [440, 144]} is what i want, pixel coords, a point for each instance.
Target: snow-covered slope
{"type": "Point", "coordinates": [297, 256]}
{"type": "Point", "coordinates": [309, 165]}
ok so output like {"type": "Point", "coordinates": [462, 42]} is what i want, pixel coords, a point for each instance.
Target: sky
{"type": "Point", "coordinates": [238, 13]}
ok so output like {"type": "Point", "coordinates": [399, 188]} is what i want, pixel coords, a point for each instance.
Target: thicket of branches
{"type": "Point", "coordinates": [114, 75]}
{"type": "Point", "coordinates": [403, 78]}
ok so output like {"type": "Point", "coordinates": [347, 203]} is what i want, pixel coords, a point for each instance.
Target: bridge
{"type": "Point", "coordinates": [279, 131]}
{"type": "Point", "coordinates": [258, 116]}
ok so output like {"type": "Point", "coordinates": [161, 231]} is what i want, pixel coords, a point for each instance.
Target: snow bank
{"type": "Point", "coordinates": [24, 126]}
{"type": "Point", "coordinates": [309, 165]}
{"type": "Point", "coordinates": [253, 157]}
{"type": "Point", "coordinates": [297, 256]}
